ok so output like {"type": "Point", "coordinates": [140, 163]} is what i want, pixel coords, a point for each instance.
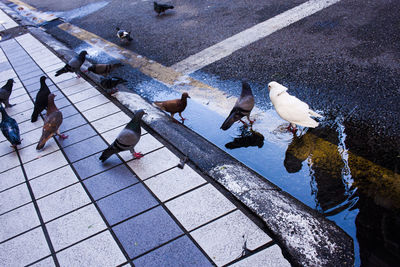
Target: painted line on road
{"type": "Point", "coordinates": [249, 36]}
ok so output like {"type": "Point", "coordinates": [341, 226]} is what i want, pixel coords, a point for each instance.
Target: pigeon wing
{"type": "Point", "coordinates": [294, 110]}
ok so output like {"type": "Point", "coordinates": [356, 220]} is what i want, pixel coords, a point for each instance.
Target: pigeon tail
{"type": "Point", "coordinates": [35, 115]}
{"type": "Point", "coordinates": [43, 141]}
{"type": "Point", "coordinates": [111, 150]}
{"type": "Point", "coordinates": [314, 114]}
{"type": "Point", "coordinates": [228, 122]}
{"type": "Point", "coordinates": [65, 69]}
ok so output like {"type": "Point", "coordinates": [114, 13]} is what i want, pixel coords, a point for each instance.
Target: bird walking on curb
{"type": "Point", "coordinates": [243, 107]}
{"type": "Point", "coordinates": [73, 65]}
{"type": "Point", "coordinates": [290, 108]}
{"type": "Point", "coordinates": [104, 69]}
{"type": "Point", "coordinates": [124, 35]}
{"type": "Point", "coordinates": [127, 138]}
{"type": "Point", "coordinates": [52, 123]}
{"type": "Point", "coordinates": [41, 100]}
{"type": "Point", "coordinates": [5, 93]}
{"type": "Point", "coordinates": [110, 83]}
{"type": "Point", "coordinates": [161, 8]}
{"type": "Point", "coordinates": [9, 128]}
{"type": "Point", "coordinates": [174, 106]}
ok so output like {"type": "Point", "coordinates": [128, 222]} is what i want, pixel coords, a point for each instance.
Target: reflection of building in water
{"type": "Point", "coordinates": [325, 162]}
{"type": "Point", "coordinates": [247, 138]}
{"type": "Point", "coordinates": [378, 221]}
{"type": "Point", "coordinates": [377, 193]}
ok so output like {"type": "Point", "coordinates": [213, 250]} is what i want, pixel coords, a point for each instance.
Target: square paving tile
{"type": "Point", "coordinates": [72, 122]}
{"type": "Point", "coordinates": [62, 202]}
{"type": "Point", "coordinates": [61, 102]}
{"type": "Point", "coordinates": [92, 165]}
{"type": "Point", "coordinates": [5, 148]}
{"type": "Point", "coordinates": [147, 143]}
{"type": "Point", "coordinates": [91, 102]}
{"type": "Point", "coordinates": [85, 148]}
{"type": "Point", "coordinates": [24, 106]}
{"type": "Point", "coordinates": [47, 262]}
{"type": "Point", "coordinates": [75, 226]}
{"type": "Point", "coordinates": [100, 250]}
{"type": "Point", "coordinates": [11, 177]}
{"type": "Point", "coordinates": [147, 231]}
{"type": "Point", "coordinates": [14, 197]}
{"type": "Point", "coordinates": [24, 249]}
{"type": "Point", "coordinates": [27, 126]}
{"type": "Point", "coordinates": [31, 137]}
{"type": "Point", "coordinates": [174, 182]}
{"type": "Point", "coordinates": [20, 99]}
{"type": "Point", "coordinates": [45, 164]}
{"type": "Point", "coordinates": [78, 134]}
{"type": "Point", "coordinates": [111, 122]}
{"type": "Point", "coordinates": [30, 153]}
{"type": "Point", "coordinates": [126, 203]}
{"type": "Point", "coordinates": [53, 67]}
{"type": "Point", "coordinates": [271, 256]}
{"type": "Point", "coordinates": [110, 181]}
{"type": "Point", "coordinates": [154, 163]}
{"type": "Point", "coordinates": [180, 252]}
{"type": "Point", "coordinates": [53, 181]}
{"type": "Point", "coordinates": [18, 221]}
{"type": "Point", "coordinates": [23, 116]}
{"type": "Point", "coordinates": [223, 239]}
{"type": "Point", "coordinates": [68, 111]}
{"type": "Point", "coordinates": [71, 83]}
{"type": "Point", "coordinates": [83, 95]}
{"type": "Point", "coordinates": [199, 206]}
{"type": "Point", "coordinates": [101, 111]}
{"type": "Point", "coordinates": [70, 90]}
{"type": "Point", "coordinates": [62, 77]}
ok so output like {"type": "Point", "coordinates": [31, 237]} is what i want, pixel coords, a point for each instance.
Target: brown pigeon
{"type": "Point", "coordinates": [52, 122]}
{"type": "Point", "coordinates": [174, 106]}
{"type": "Point", "coordinates": [103, 69]}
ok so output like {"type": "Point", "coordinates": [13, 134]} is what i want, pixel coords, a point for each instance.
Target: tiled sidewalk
{"type": "Point", "coordinates": [62, 206]}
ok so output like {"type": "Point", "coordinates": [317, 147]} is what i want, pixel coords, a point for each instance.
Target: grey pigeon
{"type": "Point", "coordinates": [5, 93]}
{"type": "Point", "coordinates": [243, 107]}
{"type": "Point", "coordinates": [160, 8]}
{"type": "Point", "coordinates": [127, 138]}
{"type": "Point", "coordinates": [123, 35]}
{"type": "Point", "coordinates": [41, 99]}
{"type": "Point", "coordinates": [103, 69]}
{"type": "Point", "coordinates": [110, 83]}
{"type": "Point", "coordinates": [74, 65]}
{"type": "Point", "coordinates": [10, 128]}
{"type": "Point", "coordinates": [52, 122]}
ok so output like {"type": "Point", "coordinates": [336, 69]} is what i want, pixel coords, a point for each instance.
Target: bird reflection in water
{"type": "Point", "coordinates": [320, 148]}
{"type": "Point", "coordinates": [247, 137]}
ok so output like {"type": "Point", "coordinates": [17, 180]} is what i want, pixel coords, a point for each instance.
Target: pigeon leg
{"type": "Point", "coordinates": [251, 121]}
{"type": "Point", "coordinates": [180, 115]}
{"type": "Point", "coordinates": [244, 123]}
{"type": "Point", "coordinates": [62, 136]}
{"type": "Point", "coordinates": [137, 155]}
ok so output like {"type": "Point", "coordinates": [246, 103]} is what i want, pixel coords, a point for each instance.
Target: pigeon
{"type": "Point", "coordinates": [290, 108]}
{"type": "Point", "coordinates": [52, 122]}
{"type": "Point", "coordinates": [127, 138]}
{"type": "Point", "coordinates": [74, 65]}
{"type": "Point", "coordinates": [174, 106]}
{"type": "Point", "coordinates": [160, 8]}
{"type": "Point", "coordinates": [242, 107]}
{"type": "Point", "coordinates": [41, 99]}
{"type": "Point", "coordinates": [123, 35]}
{"type": "Point", "coordinates": [10, 128]}
{"type": "Point", "coordinates": [104, 69]}
{"type": "Point", "coordinates": [110, 83]}
{"type": "Point", "coordinates": [5, 93]}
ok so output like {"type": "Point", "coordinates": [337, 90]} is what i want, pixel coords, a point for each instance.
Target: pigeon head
{"type": "Point", "coordinates": [139, 114]}
{"type": "Point", "coordinates": [51, 97]}
{"type": "Point", "coordinates": [185, 95]}
{"type": "Point", "coordinates": [10, 81]}
{"type": "Point", "coordinates": [277, 88]}
{"type": "Point", "coordinates": [91, 68]}
{"type": "Point", "coordinates": [43, 78]}
{"type": "Point", "coordinates": [272, 85]}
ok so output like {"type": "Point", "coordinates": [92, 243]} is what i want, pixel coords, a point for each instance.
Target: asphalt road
{"type": "Point", "coordinates": [344, 61]}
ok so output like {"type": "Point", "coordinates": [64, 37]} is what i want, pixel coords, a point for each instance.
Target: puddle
{"type": "Point", "coordinates": [81, 11]}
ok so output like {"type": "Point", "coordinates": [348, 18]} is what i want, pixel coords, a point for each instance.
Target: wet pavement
{"type": "Point", "coordinates": [343, 61]}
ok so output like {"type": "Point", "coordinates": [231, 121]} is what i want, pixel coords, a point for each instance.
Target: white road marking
{"type": "Point", "coordinates": [249, 36]}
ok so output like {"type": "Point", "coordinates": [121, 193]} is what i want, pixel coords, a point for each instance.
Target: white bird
{"type": "Point", "coordinates": [290, 108]}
